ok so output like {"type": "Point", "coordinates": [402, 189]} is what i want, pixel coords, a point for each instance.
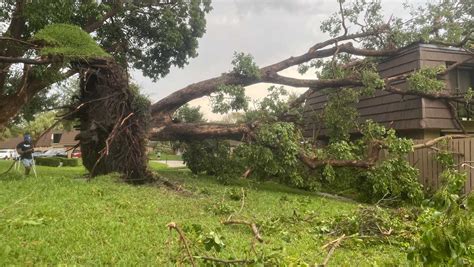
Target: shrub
{"type": "Point", "coordinates": [56, 161]}
{"type": "Point", "coordinates": [446, 235]}
{"type": "Point", "coordinates": [70, 162]}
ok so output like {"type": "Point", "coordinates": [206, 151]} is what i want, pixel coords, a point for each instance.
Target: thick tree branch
{"type": "Point", "coordinates": [377, 30]}
{"type": "Point", "coordinates": [30, 61]}
{"type": "Point", "coordinates": [442, 95]}
{"type": "Point", "coordinates": [315, 163]}
{"type": "Point", "coordinates": [433, 142]}
{"type": "Point", "coordinates": [96, 23]}
{"type": "Point", "coordinates": [372, 157]}
{"type": "Point", "coordinates": [11, 39]}
{"type": "Point", "coordinates": [343, 19]}
{"type": "Point", "coordinates": [323, 53]}
{"type": "Point", "coordinates": [200, 131]}
{"type": "Point", "coordinates": [11, 104]}
{"type": "Point", "coordinates": [315, 84]}
{"type": "Point", "coordinates": [162, 110]}
{"type": "Point", "coordinates": [15, 31]}
{"type": "Point", "coordinates": [469, 37]}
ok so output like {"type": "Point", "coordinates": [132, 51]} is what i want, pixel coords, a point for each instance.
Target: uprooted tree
{"type": "Point", "coordinates": [345, 63]}
{"type": "Point", "coordinates": [40, 46]}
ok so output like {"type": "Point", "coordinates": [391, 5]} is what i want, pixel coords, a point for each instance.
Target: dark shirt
{"type": "Point", "coordinates": [24, 146]}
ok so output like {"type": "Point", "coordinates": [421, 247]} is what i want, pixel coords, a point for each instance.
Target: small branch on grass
{"type": "Point", "coordinates": [336, 197]}
{"type": "Point", "coordinates": [16, 202]}
{"type": "Point", "coordinates": [182, 237]}
{"type": "Point", "coordinates": [385, 199]}
{"type": "Point", "coordinates": [243, 201]}
{"type": "Point", "coordinates": [243, 261]}
{"type": "Point", "coordinates": [252, 226]}
{"type": "Point", "coordinates": [334, 244]}
{"type": "Point", "coordinates": [242, 204]}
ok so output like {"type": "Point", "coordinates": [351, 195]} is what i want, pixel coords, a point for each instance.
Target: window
{"type": "Point", "coordinates": [56, 138]}
{"type": "Point", "coordinates": [460, 79]}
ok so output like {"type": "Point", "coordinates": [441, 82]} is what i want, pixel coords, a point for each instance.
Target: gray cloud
{"type": "Point", "coordinates": [249, 7]}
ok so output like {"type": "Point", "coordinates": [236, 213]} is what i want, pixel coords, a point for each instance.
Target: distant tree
{"type": "Point", "coordinates": [233, 117]}
{"type": "Point", "coordinates": [186, 113]}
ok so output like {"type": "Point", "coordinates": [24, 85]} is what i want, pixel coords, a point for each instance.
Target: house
{"type": "Point", "coordinates": [52, 139]}
{"type": "Point", "coordinates": [412, 116]}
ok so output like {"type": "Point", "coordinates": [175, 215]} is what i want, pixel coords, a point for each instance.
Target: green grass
{"type": "Point", "coordinates": [61, 218]}
{"type": "Point", "coordinates": [165, 157]}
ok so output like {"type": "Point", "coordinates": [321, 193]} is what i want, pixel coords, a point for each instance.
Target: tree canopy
{"type": "Point", "coordinates": [146, 35]}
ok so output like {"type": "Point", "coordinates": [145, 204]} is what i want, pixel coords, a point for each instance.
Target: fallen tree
{"type": "Point", "coordinates": [344, 63]}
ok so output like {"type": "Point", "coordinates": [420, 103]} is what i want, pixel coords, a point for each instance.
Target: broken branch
{"type": "Point", "coordinates": [252, 226]}
{"type": "Point", "coordinates": [435, 141]}
{"type": "Point", "coordinates": [182, 237]}
{"type": "Point", "coordinates": [243, 261]}
{"type": "Point", "coordinates": [334, 244]}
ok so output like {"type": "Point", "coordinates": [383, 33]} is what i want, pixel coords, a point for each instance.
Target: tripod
{"type": "Point", "coordinates": [33, 166]}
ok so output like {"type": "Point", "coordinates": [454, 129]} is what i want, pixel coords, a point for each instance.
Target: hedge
{"type": "Point", "coordinates": [56, 161]}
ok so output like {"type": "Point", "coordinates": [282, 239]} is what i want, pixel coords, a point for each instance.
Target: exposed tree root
{"type": "Point", "coordinates": [113, 123]}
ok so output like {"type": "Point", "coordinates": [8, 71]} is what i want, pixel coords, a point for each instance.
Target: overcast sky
{"type": "Point", "coordinates": [270, 30]}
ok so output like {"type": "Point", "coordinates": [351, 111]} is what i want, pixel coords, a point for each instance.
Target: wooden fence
{"type": "Point", "coordinates": [430, 170]}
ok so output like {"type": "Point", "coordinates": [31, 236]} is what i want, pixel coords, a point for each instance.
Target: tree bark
{"type": "Point", "coordinates": [15, 30]}
{"type": "Point", "coordinates": [200, 131]}
{"type": "Point", "coordinates": [10, 105]}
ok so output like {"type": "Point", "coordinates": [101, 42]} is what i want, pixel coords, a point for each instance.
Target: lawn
{"type": "Point", "coordinates": [164, 156]}
{"type": "Point", "coordinates": [61, 218]}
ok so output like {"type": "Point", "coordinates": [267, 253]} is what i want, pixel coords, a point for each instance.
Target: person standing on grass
{"type": "Point", "coordinates": [25, 150]}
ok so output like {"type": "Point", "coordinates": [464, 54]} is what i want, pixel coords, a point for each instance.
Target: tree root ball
{"type": "Point", "coordinates": [113, 120]}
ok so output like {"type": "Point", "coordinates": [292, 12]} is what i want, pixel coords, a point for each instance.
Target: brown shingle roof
{"type": "Point", "coordinates": [44, 141]}
{"type": "Point", "coordinates": [10, 143]}
{"type": "Point", "coordinates": [67, 139]}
